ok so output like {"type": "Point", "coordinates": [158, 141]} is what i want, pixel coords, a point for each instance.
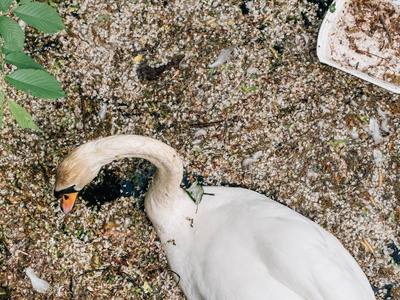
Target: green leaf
{"type": "Point", "coordinates": [197, 150]}
{"type": "Point", "coordinates": [38, 83]}
{"type": "Point", "coordinates": [24, 1]}
{"type": "Point", "coordinates": [23, 118]}
{"type": "Point", "coordinates": [5, 4]}
{"type": "Point", "coordinates": [103, 17]}
{"type": "Point", "coordinates": [22, 61]}
{"type": "Point", "coordinates": [212, 72]}
{"type": "Point", "coordinates": [195, 192]}
{"type": "Point", "coordinates": [52, 4]}
{"type": "Point", "coordinates": [57, 65]}
{"type": "Point", "coordinates": [12, 34]}
{"type": "Point", "coordinates": [41, 16]}
{"type": "Point", "coordinates": [1, 106]}
{"type": "Point", "coordinates": [6, 49]}
{"type": "Point", "coordinates": [248, 89]}
{"type": "Point", "coordinates": [332, 7]}
{"type": "Point", "coordinates": [364, 212]}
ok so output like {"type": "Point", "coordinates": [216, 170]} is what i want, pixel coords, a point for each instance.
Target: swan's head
{"type": "Point", "coordinates": [83, 163]}
{"type": "Point", "coordinates": [73, 173]}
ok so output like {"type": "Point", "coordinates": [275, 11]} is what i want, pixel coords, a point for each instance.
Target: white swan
{"type": "Point", "coordinates": [238, 244]}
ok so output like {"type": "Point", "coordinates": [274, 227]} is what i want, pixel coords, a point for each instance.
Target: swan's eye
{"type": "Point", "coordinates": [65, 197]}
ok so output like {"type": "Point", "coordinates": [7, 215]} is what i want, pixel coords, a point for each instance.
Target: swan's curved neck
{"type": "Point", "coordinates": [169, 166]}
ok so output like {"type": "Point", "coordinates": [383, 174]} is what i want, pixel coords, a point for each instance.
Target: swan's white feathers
{"type": "Point", "coordinates": [259, 245]}
{"type": "Point", "coordinates": [237, 244]}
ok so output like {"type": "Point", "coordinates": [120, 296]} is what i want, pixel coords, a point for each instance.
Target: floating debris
{"type": "Point", "coordinates": [103, 111]}
{"type": "Point", "coordinates": [354, 134]}
{"type": "Point", "coordinates": [246, 163]}
{"type": "Point", "coordinates": [378, 157]}
{"type": "Point", "coordinates": [138, 59]}
{"type": "Point", "coordinates": [38, 284]}
{"type": "Point", "coordinates": [374, 130]}
{"type": "Point", "coordinates": [312, 174]}
{"type": "Point", "coordinates": [200, 132]}
{"type": "Point", "coordinates": [385, 126]}
{"type": "Point", "coordinates": [251, 71]}
{"type": "Point", "coordinates": [222, 57]}
{"type": "Point", "coordinates": [195, 192]}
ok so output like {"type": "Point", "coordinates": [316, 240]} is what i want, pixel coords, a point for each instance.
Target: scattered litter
{"type": "Point", "coordinates": [38, 284]}
{"type": "Point", "coordinates": [385, 126]}
{"type": "Point", "coordinates": [200, 132]}
{"type": "Point", "coordinates": [354, 134]}
{"type": "Point", "coordinates": [222, 57]}
{"type": "Point", "coordinates": [195, 142]}
{"type": "Point", "coordinates": [22, 24]}
{"type": "Point", "coordinates": [249, 5]}
{"type": "Point", "coordinates": [210, 21]}
{"type": "Point", "coordinates": [378, 157]}
{"type": "Point", "coordinates": [246, 163]}
{"type": "Point", "coordinates": [137, 59]}
{"type": "Point", "coordinates": [380, 178]}
{"type": "Point", "coordinates": [195, 192]}
{"type": "Point", "coordinates": [270, 16]}
{"type": "Point", "coordinates": [374, 130]}
{"type": "Point", "coordinates": [367, 246]}
{"type": "Point", "coordinates": [83, 7]}
{"type": "Point", "coordinates": [102, 111]}
{"type": "Point", "coordinates": [325, 110]}
{"type": "Point", "coordinates": [381, 113]}
{"type": "Point", "coordinates": [312, 174]}
{"type": "Point", "coordinates": [19, 251]}
{"type": "Point", "coordinates": [306, 38]}
{"type": "Point", "coordinates": [252, 71]}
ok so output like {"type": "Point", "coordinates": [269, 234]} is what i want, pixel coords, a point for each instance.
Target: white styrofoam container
{"type": "Point", "coordinates": [323, 46]}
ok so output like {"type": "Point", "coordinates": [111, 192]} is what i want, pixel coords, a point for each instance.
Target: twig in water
{"type": "Point", "coordinates": [368, 53]}
{"type": "Point", "coordinates": [386, 29]}
{"type": "Point", "coordinates": [72, 288]}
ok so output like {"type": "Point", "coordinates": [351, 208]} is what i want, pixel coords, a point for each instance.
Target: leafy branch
{"type": "Point", "coordinates": [30, 77]}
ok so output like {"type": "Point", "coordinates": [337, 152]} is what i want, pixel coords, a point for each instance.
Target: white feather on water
{"type": "Point", "coordinates": [38, 284]}
{"type": "Point", "coordinates": [222, 57]}
{"type": "Point", "coordinates": [200, 132]}
{"type": "Point", "coordinates": [385, 126]}
{"type": "Point", "coordinates": [354, 134]}
{"type": "Point", "coordinates": [103, 111]}
{"type": "Point", "coordinates": [311, 173]}
{"type": "Point", "coordinates": [253, 71]}
{"type": "Point", "coordinates": [378, 157]}
{"type": "Point", "coordinates": [246, 163]}
{"type": "Point", "coordinates": [374, 130]}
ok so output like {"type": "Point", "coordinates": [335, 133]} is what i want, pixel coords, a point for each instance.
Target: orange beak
{"type": "Point", "coordinates": [67, 202]}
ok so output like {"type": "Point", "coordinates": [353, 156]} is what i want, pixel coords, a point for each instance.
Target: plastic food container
{"type": "Point", "coordinates": [363, 39]}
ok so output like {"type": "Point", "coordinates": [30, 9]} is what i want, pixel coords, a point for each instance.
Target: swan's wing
{"type": "Point", "coordinates": [310, 260]}
{"type": "Point", "coordinates": [296, 252]}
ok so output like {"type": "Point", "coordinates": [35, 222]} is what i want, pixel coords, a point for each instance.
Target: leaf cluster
{"type": "Point", "coordinates": [30, 77]}
{"type": "Point", "coordinates": [195, 192]}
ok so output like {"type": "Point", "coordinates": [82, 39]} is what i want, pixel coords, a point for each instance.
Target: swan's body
{"type": "Point", "coordinates": [237, 244]}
